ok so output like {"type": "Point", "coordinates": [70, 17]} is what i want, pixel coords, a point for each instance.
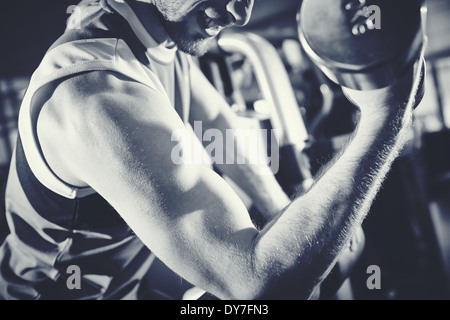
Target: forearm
{"type": "Point", "coordinates": [304, 241]}
{"type": "Point", "coordinates": [291, 255]}
{"type": "Point", "coordinates": [255, 179]}
{"type": "Point", "coordinates": [246, 164]}
{"type": "Point", "coordinates": [263, 189]}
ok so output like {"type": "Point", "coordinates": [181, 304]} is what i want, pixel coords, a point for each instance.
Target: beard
{"type": "Point", "coordinates": [186, 41]}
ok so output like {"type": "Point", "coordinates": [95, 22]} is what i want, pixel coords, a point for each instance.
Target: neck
{"type": "Point", "coordinates": [150, 18]}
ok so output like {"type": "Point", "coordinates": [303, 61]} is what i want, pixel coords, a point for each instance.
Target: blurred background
{"type": "Point", "coordinates": [408, 228]}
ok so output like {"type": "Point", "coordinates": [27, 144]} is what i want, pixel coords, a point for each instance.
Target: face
{"type": "Point", "coordinates": [192, 24]}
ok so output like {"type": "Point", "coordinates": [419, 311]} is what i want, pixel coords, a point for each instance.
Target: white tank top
{"type": "Point", "coordinates": [55, 225]}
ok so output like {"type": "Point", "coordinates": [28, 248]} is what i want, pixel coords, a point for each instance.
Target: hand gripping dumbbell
{"type": "Point", "coordinates": [365, 44]}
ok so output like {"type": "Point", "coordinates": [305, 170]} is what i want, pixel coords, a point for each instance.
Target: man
{"type": "Point", "coordinates": [93, 184]}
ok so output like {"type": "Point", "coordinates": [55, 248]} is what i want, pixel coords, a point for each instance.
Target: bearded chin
{"type": "Point", "coordinates": [195, 45]}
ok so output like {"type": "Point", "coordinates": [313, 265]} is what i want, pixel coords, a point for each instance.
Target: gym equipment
{"type": "Point", "coordinates": [364, 44]}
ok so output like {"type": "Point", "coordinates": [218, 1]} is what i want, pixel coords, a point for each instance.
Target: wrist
{"type": "Point", "coordinates": [396, 101]}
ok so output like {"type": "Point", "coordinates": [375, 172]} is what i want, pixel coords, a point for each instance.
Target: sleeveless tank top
{"type": "Point", "coordinates": [55, 226]}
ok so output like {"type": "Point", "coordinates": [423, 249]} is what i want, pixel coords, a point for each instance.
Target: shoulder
{"type": "Point", "coordinates": [100, 114]}
{"type": "Point", "coordinates": [83, 98]}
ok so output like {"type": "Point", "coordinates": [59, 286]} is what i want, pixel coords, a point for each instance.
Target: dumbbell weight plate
{"type": "Point", "coordinates": [351, 50]}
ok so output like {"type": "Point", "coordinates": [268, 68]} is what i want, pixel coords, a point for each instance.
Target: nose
{"type": "Point", "coordinates": [240, 11]}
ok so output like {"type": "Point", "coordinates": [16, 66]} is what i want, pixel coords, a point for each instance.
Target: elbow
{"type": "Point", "coordinates": [260, 286]}
{"type": "Point", "coordinates": [276, 289]}
{"type": "Point", "coordinates": [274, 282]}
{"type": "Point", "coordinates": [240, 285]}
{"type": "Point", "coordinates": [247, 291]}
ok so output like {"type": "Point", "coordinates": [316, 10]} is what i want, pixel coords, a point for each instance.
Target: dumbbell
{"type": "Point", "coordinates": [365, 44]}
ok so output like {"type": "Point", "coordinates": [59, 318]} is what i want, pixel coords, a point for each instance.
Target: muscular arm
{"type": "Point", "coordinates": [255, 178]}
{"type": "Point", "coordinates": [117, 139]}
